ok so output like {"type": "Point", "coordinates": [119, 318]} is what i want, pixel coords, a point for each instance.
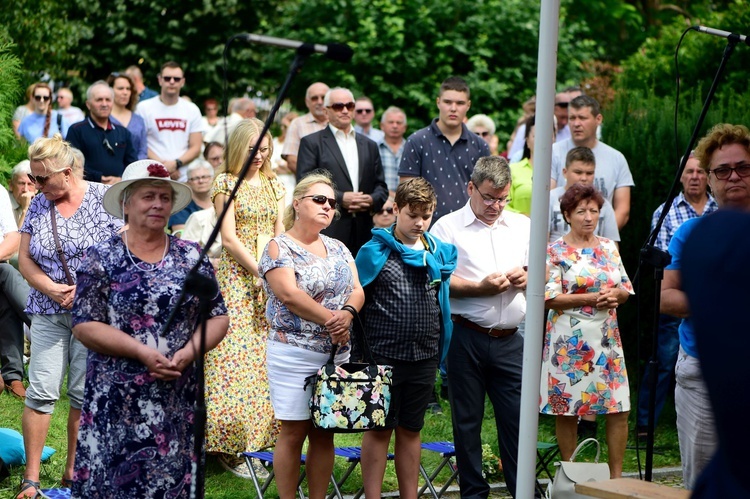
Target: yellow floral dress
{"type": "Point", "coordinates": [239, 411]}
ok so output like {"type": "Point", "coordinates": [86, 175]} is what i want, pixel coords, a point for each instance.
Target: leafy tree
{"type": "Point", "coordinates": [652, 66]}
{"type": "Point", "coordinates": [405, 48]}
{"type": "Point", "coordinates": [10, 89]}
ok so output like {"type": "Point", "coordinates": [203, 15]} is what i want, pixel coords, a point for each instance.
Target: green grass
{"type": "Point", "coordinates": [221, 484]}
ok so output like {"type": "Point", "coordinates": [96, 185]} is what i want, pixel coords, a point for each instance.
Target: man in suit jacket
{"type": "Point", "coordinates": [353, 161]}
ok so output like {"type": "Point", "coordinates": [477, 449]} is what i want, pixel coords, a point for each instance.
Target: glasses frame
{"type": "Point", "coordinates": [42, 180]}
{"type": "Point", "coordinates": [321, 200]}
{"type": "Point", "coordinates": [364, 111]}
{"type": "Point", "coordinates": [725, 172]}
{"type": "Point", "coordinates": [108, 146]}
{"type": "Point", "coordinates": [177, 79]}
{"type": "Point", "coordinates": [339, 106]}
{"type": "Point", "coordinates": [200, 178]}
{"type": "Point", "coordinates": [42, 98]}
{"type": "Point", "coordinates": [489, 202]}
{"type": "Point", "coordinates": [386, 210]}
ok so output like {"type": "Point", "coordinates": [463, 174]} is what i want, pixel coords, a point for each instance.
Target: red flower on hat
{"type": "Point", "coordinates": [157, 170]}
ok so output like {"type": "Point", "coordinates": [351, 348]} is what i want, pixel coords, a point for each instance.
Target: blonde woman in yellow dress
{"type": "Point", "coordinates": [240, 415]}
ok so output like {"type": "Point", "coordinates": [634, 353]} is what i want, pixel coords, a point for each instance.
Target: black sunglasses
{"type": "Point", "coordinates": [177, 79]}
{"type": "Point", "coordinates": [108, 146]}
{"type": "Point", "coordinates": [386, 210]}
{"type": "Point", "coordinates": [321, 200]}
{"type": "Point", "coordinates": [364, 111]}
{"type": "Point", "coordinates": [339, 106]}
{"type": "Point", "coordinates": [38, 179]}
{"type": "Point", "coordinates": [44, 98]}
{"type": "Point", "coordinates": [562, 104]}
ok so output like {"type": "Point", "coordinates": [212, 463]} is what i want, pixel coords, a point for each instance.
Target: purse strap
{"type": "Point", "coordinates": [58, 246]}
{"type": "Point", "coordinates": [361, 337]}
{"type": "Point", "coordinates": [583, 444]}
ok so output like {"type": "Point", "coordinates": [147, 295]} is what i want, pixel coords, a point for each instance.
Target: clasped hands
{"type": "Point", "coordinates": [499, 282]}
{"type": "Point", "coordinates": [338, 326]}
{"type": "Point", "coordinates": [354, 202]}
{"type": "Point", "coordinates": [161, 367]}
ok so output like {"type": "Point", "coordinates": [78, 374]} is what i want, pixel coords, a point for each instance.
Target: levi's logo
{"type": "Point", "coordinates": [171, 124]}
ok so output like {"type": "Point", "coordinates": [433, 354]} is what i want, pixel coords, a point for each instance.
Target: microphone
{"type": "Point", "coordinates": [336, 51]}
{"type": "Point", "coordinates": [723, 34]}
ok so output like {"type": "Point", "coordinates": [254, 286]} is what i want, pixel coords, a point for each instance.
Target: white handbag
{"type": "Point", "coordinates": [569, 473]}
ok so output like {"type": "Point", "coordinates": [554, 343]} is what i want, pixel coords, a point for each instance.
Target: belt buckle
{"type": "Point", "coordinates": [494, 332]}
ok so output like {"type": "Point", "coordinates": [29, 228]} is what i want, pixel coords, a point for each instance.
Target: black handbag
{"type": "Point", "coordinates": [352, 397]}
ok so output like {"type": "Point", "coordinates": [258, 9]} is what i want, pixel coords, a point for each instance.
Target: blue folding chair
{"type": "Point", "coordinates": [265, 458]}
{"type": "Point", "coordinates": [448, 452]}
{"type": "Point", "coordinates": [353, 456]}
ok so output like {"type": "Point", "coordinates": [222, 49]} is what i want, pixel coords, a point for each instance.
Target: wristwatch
{"type": "Point", "coordinates": [178, 162]}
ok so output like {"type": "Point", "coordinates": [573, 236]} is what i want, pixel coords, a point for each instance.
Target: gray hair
{"type": "Point", "coordinates": [21, 169]}
{"type": "Point", "coordinates": [78, 164]}
{"type": "Point", "coordinates": [198, 164]}
{"type": "Point", "coordinates": [241, 104]}
{"type": "Point", "coordinates": [327, 98]}
{"type": "Point", "coordinates": [392, 110]}
{"type": "Point", "coordinates": [492, 168]}
{"type": "Point", "coordinates": [481, 120]}
{"type": "Point", "coordinates": [98, 83]}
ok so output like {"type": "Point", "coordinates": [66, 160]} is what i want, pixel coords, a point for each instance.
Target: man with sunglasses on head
{"type": "Point", "coordinates": [314, 121]}
{"type": "Point", "coordinates": [445, 152]}
{"type": "Point", "coordinates": [107, 148]}
{"type": "Point", "coordinates": [175, 126]}
{"type": "Point", "coordinates": [724, 154]}
{"type": "Point", "coordinates": [364, 113]}
{"type": "Point", "coordinates": [353, 161]}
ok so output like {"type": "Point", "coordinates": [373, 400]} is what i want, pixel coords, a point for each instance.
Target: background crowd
{"type": "Point", "coordinates": [290, 224]}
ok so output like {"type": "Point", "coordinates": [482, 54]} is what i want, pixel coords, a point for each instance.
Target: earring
{"type": "Point", "coordinates": [296, 215]}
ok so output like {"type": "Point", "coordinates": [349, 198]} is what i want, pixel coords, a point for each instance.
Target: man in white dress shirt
{"type": "Point", "coordinates": [487, 305]}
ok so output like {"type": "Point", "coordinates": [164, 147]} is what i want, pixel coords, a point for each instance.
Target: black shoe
{"type": "Point", "coordinates": [435, 408]}
{"type": "Point", "coordinates": [444, 391]}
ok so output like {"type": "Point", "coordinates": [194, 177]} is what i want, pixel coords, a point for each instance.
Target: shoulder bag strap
{"type": "Point", "coordinates": [58, 246]}
{"type": "Point", "coordinates": [361, 335]}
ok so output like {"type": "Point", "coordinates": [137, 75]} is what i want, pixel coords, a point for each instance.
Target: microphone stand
{"type": "Point", "coordinates": [204, 287]}
{"type": "Point", "coordinates": [659, 259]}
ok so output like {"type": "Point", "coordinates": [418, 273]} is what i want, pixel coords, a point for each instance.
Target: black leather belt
{"type": "Point", "coordinates": [489, 331]}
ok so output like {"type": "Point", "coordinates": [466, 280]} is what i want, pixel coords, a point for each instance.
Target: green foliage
{"type": "Point", "coordinates": [405, 48]}
{"type": "Point", "coordinates": [652, 69]}
{"type": "Point", "coordinates": [10, 89]}
{"type": "Point", "coordinates": [640, 125]}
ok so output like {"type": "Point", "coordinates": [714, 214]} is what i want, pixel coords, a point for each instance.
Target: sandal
{"type": "Point", "coordinates": [27, 484]}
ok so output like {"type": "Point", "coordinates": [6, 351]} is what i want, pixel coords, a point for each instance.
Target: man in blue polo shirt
{"type": "Point", "coordinates": [725, 156]}
{"type": "Point", "coordinates": [107, 148]}
{"type": "Point", "coordinates": [445, 152]}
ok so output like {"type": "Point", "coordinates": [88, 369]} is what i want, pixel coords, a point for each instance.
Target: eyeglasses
{"type": "Point", "coordinates": [489, 200]}
{"type": "Point", "coordinates": [176, 79]}
{"type": "Point", "coordinates": [724, 172]}
{"type": "Point", "coordinates": [214, 159]}
{"type": "Point", "coordinates": [201, 178]}
{"type": "Point", "coordinates": [38, 179]}
{"type": "Point", "coordinates": [483, 134]}
{"type": "Point", "coordinates": [562, 104]}
{"type": "Point", "coordinates": [386, 210]}
{"type": "Point", "coordinates": [108, 146]}
{"type": "Point", "coordinates": [364, 111]}
{"type": "Point", "coordinates": [321, 199]}
{"type": "Point", "coordinates": [339, 106]}
{"type": "Point", "coordinates": [44, 98]}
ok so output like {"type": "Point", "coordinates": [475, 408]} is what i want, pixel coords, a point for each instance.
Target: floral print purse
{"type": "Point", "coordinates": [352, 397]}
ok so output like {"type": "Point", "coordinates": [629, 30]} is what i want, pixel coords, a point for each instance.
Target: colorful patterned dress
{"type": "Point", "coordinates": [136, 434]}
{"type": "Point", "coordinates": [583, 369]}
{"type": "Point", "coordinates": [240, 414]}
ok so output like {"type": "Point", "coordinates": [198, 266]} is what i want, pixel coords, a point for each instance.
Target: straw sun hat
{"type": "Point", "coordinates": [145, 169]}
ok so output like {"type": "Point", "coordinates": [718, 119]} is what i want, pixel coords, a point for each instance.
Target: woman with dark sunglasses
{"type": "Point", "coordinates": [44, 121]}
{"type": "Point", "coordinates": [309, 278]}
{"type": "Point", "coordinates": [61, 224]}
{"type": "Point", "coordinates": [240, 416]}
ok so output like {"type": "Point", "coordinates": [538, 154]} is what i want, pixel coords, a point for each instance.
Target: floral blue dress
{"type": "Point", "coordinates": [136, 433]}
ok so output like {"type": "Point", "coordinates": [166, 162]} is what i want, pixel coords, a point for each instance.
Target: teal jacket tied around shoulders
{"type": "Point", "coordinates": [440, 260]}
